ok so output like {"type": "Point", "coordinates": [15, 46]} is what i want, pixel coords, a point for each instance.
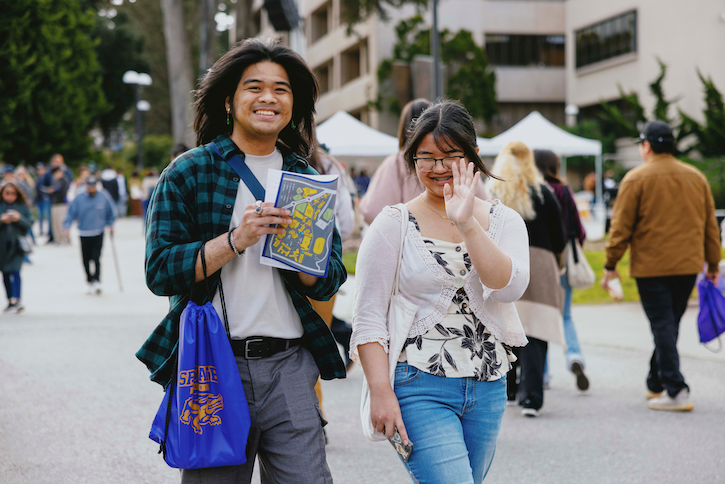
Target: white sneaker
{"type": "Point", "coordinates": [680, 403]}
{"type": "Point", "coordinates": [89, 291]}
{"type": "Point", "coordinates": [529, 412]}
{"type": "Point", "coordinates": [97, 287]}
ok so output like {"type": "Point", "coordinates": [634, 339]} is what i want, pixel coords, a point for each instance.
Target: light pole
{"type": "Point", "coordinates": [436, 51]}
{"type": "Point", "coordinates": [139, 80]}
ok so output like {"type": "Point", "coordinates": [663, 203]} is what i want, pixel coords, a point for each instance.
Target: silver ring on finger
{"type": "Point", "coordinates": [258, 208]}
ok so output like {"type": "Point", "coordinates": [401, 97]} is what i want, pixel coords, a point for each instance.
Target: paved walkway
{"type": "Point", "coordinates": [76, 405]}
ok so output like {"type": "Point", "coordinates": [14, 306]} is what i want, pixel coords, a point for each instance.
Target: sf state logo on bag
{"type": "Point", "coordinates": [202, 406]}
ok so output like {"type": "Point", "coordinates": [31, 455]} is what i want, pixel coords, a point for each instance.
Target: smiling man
{"type": "Point", "coordinates": [256, 102]}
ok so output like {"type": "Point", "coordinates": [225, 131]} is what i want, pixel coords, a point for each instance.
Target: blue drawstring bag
{"type": "Point", "coordinates": [711, 319]}
{"type": "Point", "coordinates": [203, 420]}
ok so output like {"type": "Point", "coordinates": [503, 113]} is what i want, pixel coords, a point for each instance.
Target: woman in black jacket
{"type": "Point", "coordinates": [15, 223]}
{"type": "Point", "coordinates": [540, 308]}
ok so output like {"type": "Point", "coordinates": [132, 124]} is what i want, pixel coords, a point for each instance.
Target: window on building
{"type": "Point", "coordinates": [526, 50]}
{"type": "Point", "coordinates": [611, 38]}
{"type": "Point", "coordinates": [320, 22]}
{"type": "Point", "coordinates": [353, 62]}
{"type": "Point", "coordinates": [324, 76]}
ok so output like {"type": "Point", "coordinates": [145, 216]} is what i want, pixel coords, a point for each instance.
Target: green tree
{"type": "Point", "coordinates": [119, 49]}
{"type": "Point", "coordinates": [356, 11]}
{"type": "Point", "coordinates": [469, 79]}
{"type": "Point", "coordinates": [50, 83]}
{"type": "Point", "coordinates": [710, 136]}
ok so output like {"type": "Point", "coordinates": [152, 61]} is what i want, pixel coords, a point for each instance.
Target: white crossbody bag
{"type": "Point", "coordinates": [401, 314]}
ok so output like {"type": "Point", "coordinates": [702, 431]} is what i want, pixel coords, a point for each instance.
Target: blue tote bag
{"type": "Point", "coordinates": [203, 420]}
{"type": "Point", "coordinates": [711, 319]}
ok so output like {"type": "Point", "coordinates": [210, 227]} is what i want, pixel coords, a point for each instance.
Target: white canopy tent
{"type": "Point", "coordinates": [344, 135]}
{"type": "Point", "coordinates": [538, 133]}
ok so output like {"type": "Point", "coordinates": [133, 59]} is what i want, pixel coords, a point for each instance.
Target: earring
{"type": "Point", "coordinates": [229, 117]}
{"type": "Point", "coordinates": [293, 125]}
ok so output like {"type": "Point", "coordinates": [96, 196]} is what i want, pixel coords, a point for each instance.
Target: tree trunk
{"type": "Point", "coordinates": [207, 35]}
{"type": "Point", "coordinates": [245, 26]}
{"type": "Point", "coordinates": [180, 72]}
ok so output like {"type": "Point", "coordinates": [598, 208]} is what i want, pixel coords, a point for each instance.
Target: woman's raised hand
{"type": "Point", "coordinates": [459, 196]}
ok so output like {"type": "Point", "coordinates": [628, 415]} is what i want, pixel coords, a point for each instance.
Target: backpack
{"type": "Point", "coordinates": [111, 186]}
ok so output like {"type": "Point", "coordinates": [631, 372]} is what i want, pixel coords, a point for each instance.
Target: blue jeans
{"type": "Point", "coordinates": [573, 352]}
{"type": "Point", "coordinates": [43, 207]}
{"type": "Point", "coordinates": [453, 424]}
{"type": "Point", "coordinates": [12, 284]}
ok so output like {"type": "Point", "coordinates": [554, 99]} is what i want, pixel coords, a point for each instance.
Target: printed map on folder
{"type": "Point", "coordinates": [307, 242]}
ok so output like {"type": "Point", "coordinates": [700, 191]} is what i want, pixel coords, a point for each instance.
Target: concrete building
{"type": "Point", "coordinates": [618, 42]}
{"type": "Point", "coordinates": [546, 53]}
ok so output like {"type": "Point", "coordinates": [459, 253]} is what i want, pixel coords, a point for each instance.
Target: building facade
{"type": "Point", "coordinates": [546, 53]}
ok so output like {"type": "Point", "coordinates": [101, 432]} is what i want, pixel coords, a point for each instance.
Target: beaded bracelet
{"type": "Point", "coordinates": [231, 244]}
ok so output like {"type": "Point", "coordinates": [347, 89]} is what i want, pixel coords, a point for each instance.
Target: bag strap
{"type": "Point", "coordinates": [571, 235]}
{"type": "Point", "coordinates": [403, 232]}
{"type": "Point", "coordinates": [240, 168]}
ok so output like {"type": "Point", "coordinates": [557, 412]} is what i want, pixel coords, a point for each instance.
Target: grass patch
{"type": "Point", "coordinates": [349, 259]}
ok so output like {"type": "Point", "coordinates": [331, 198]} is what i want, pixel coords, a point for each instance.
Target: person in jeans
{"type": "Point", "coordinates": [540, 308]}
{"type": "Point", "coordinates": [42, 199]}
{"type": "Point", "coordinates": [548, 164]}
{"type": "Point", "coordinates": [464, 262]}
{"type": "Point", "coordinates": [58, 205]}
{"type": "Point", "coordinates": [665, 213]}
{"type": "Point", "coordinates": [15, 222]}
{"type": "Point", "coordinates": [94, 211]}
{"type": "Point", "coordinates": [256, 103]}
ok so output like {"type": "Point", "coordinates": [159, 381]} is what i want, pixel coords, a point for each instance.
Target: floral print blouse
{"type": "Point", "coordinates": [460, 345]}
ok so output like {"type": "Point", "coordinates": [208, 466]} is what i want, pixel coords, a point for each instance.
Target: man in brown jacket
{"type": "Point", "coordinates": [665, 212]}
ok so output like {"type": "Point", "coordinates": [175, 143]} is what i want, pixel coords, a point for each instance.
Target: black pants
{"type": "Point", "coordinates": [664, 300]}
{"type": "Point", "coordinates": [531, 362]}
{"type": "Point", "coordinates": [91, 249]}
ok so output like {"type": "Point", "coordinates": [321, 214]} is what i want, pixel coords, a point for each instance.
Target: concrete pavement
{"type": "Point", "coordinates": [76, 405]}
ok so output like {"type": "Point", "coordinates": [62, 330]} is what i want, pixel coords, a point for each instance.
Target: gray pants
{"type": "Point", "coordinates": [286, 430]}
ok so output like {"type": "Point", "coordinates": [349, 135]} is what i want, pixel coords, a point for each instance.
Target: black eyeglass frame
{"type": "Point", "coordinates": [436, 160]}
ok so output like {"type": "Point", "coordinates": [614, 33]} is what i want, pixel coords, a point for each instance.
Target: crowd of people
{"type": "Point", "coordinates": [56, 198]}
{"type": "Point", "coordinates": [460, 284]}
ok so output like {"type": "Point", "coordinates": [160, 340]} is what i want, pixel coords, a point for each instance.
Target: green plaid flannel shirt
{"type": "Point", "coordinates": [192, 203]}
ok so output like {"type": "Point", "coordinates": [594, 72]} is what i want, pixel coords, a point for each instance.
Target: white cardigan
{"type": "Point", "coordinates": [426, 284]}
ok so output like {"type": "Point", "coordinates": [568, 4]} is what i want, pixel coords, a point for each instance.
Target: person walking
{"type": "Point", "coordinates": [257, 102]}
{"type": "Point", "coordinates": [58, 205]}
{"type": "Point", "coordinates": [665, 213]}
{"type": "Point", "coordinates": [541, 306]}
{"type": "Point", "coordinates": [549, 164]}
{"type": "Point", "coordinates": [42, 199]}
{"type": "Point", "coordinates": [464, 262]}
{"type": "Point", "coordinates": [94, 211]}
{"type": "Point", "coordinates": [15, 222]}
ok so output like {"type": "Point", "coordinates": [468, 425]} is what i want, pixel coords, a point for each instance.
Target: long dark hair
{"type": "Point", "coordinates": [548, 164]}
{"type": "Point", "coordinates": [221, 82]}
{"type": "Point", "coordinates": [410, 113]}
{"type": "Point", "coordinates": [450, 124]}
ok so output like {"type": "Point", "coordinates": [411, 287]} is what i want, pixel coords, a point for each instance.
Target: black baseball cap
{"type": "Point", "coordinates": [656, 132]}
{"type": "Point", "coordinates": [91, 180]}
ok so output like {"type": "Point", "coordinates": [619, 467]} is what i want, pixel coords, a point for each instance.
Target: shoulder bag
{"type": "Point", "coordinates": [401, 314]}
{"type": "Point", "coordinates": [579, 274]}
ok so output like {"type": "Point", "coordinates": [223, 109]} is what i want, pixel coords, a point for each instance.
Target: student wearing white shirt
{"type": "Point", "coordinates": [464, 262]}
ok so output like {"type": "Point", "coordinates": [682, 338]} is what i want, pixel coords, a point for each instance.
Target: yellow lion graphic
{"type": "Point", "coordinates": [205, 407]}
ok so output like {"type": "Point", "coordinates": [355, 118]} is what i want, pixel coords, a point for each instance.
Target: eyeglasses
{"type": "Point", "coordinates": [427, 165]}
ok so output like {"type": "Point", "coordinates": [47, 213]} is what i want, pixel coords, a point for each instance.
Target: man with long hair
{"type": "Point", "coordinates": [258, 102]}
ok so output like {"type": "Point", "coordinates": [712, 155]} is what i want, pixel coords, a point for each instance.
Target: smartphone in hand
{"type": "Point", "coordinates": [403, 450]}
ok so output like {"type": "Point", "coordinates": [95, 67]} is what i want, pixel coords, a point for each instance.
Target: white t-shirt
{"type": "Point", "coordinates": [257, 302]}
